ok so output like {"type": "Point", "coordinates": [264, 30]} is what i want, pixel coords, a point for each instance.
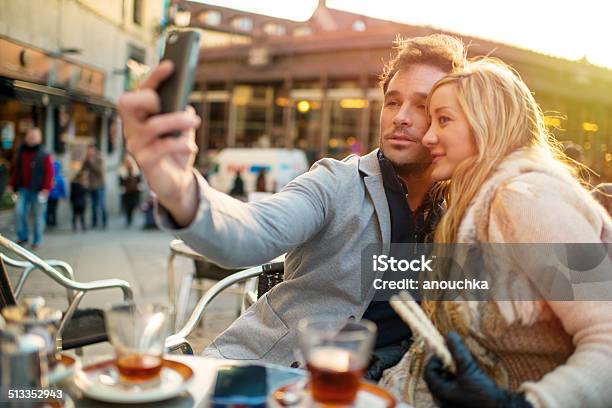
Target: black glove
{"type": "Point", "coordinates": [469, 386]}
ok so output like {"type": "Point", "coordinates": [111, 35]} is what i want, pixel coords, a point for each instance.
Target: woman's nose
{"type": "Point", "coordinates": [429, 139]}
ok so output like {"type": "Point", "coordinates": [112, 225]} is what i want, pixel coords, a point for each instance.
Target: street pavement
{"type": "Point", "coordinates": [135, 255]}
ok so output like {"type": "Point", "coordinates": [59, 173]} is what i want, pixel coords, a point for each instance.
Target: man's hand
{"type": "Point", "coordinates": [469, 386]}
{"type": "Point", "coordinates": [165, 162]}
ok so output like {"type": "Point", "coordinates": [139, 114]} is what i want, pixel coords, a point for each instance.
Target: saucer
{"type": "Point", "coordinates": [101, 382]}
{"type": "Point", "coordinates": [369, 396]}
{"type": "Point", "coordinates": [65, 367]}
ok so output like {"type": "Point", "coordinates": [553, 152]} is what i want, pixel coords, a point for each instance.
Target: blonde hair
{"type": "Point", "coordinates": [503, 117]}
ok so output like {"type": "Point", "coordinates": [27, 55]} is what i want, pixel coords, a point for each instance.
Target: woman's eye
{"type": "Point", "coordinates": [421, 106]}
{"type": "Point", "coordinates": [443, 119]}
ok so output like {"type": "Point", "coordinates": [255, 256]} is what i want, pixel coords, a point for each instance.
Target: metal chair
{"type": "Point", "coordinates": [202, 278]}
{"type": "Point", "coordinates": [269, 275]}
{"type": "Point", "coordinates": [78, 327]}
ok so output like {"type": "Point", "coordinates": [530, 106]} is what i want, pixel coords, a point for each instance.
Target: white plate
{"type": "Point", "coordinates": [100, 382]}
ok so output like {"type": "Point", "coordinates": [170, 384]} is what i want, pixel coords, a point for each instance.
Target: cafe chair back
{"type": "Point", "coordinates": [268, 275]}
{"type": "Point", "coordinates": [79, 326]}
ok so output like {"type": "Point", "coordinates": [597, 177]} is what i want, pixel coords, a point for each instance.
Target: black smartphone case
{"type": "Point", "coordinates": [182, 49]}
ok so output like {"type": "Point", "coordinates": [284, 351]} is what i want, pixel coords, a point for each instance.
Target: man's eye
{"type": "Point", "coordinates": [391, 103]}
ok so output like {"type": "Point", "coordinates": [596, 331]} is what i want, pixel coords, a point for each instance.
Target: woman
{"type": "Point", "coordinates": [129, 181]}
{"type": "Point", "coordinates": [509, 184]}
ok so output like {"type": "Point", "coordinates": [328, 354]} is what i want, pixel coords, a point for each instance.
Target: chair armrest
{"type": "Point", "coordinates": [86, 287]}
{"type": "Point", "coordinates": [60, 278]}
{"type": "Point", "coordinates": [205, 300]}
{"type": "Point", "coordinates": [28, 267]}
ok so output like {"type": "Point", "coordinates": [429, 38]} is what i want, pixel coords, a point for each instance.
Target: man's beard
{"type": "Point", "coordinates": [404, 168]}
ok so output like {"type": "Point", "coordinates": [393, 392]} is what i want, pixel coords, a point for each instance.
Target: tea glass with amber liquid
{"type": "Point", "coordinates": [138, 332]}
{"type": "Point", "coordinates": [337, 353]}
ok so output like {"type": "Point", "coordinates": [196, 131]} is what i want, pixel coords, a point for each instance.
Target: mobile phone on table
{"type": "Point", "coordinates": [182, 48]}
{"type": "Point", "coordinates": [245, 385]}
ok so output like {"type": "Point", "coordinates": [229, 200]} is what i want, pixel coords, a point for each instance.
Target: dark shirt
{"type": "Point", "coordinates": [407, 226]}
{"type": "Point", "coordinates": [78, 195]}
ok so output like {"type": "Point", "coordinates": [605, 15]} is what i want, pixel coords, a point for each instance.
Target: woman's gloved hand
{"type": "Point", "coordinates": [469, 386]}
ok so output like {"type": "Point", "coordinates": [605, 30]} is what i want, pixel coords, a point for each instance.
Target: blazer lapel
{"type": "Point", "coordinates": [370, 169]}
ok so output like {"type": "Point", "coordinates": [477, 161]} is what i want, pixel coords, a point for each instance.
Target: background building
{"type": "Point", "coordinates": [314, 84]}
{"type": "Point", "coordinates": [63, 64]}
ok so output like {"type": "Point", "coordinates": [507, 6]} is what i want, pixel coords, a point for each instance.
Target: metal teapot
{"type": "Point", "coordinates": [23, 360]}
{"type": "Point", "coordinates": [33, 317]}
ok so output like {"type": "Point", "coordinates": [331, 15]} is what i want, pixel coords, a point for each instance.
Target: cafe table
{"type": "Point", "coordinates": [199, 389]}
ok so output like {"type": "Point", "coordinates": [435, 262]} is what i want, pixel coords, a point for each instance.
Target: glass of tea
{"type": "Point", "coordinates": [138, 332]}
{"type": "Point", "coordinates": [337, 353]}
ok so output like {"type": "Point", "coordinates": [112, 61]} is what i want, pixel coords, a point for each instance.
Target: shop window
{"type": "Point", "coordinates": [254, 114]}
{"type": "Point", "coordinates": [374, 130]}
{"type": "Point", "coordinates": [274, 29]}
{"type": "Point", "coordinates": [137, 12]}
{"type": "Point", "coordinates": [210, 17]}
{"type": "Point", "coordinates": [112, 134]}
{"type": "Point", "coordinates": [359, 25]}
{"type": "Point", "coordinates": [302, 31]}
{"type": "Point", "coordinates": [308, 125]}
{"type": "Point", "coordinates": [217, 128]}
{"type": "Point", "coordinates": [344, 127]}
{"type": "Point", "coordinates": [242, 23]}
{"type": "Point", "coordinates": [136, 68]}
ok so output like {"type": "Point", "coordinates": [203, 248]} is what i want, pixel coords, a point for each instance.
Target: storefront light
{"type": "Point", "coordinates": [303, 106]}
{"type": "Point", "coordinates": [353, 103]}
{"type": "Point", "coordinates": [590, 127]}
{"type": "Point", "coordinates": [240, 100]}
{"type": "Point", "coordinates": [182, 17]}
{"type": "Point", "coordinates": [608, 157]}
{"type": "Point", "coordinates": [280, 101]}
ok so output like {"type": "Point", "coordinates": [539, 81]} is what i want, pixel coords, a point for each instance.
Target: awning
{"type": "Point", "coordinates": [30, 93]}
{"type": "Point", "coordinates": [41, 95]}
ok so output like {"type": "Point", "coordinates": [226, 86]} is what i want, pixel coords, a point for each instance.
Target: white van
{"type": "Point", "coordinates": [281, 165]}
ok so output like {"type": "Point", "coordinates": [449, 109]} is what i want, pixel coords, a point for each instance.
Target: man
{"type": "Point", "coordinates": [31, 179]}
{"type": "Point", "coordinates": [322, 220]}
{"type": "Point", "coordinates": [94, 166]}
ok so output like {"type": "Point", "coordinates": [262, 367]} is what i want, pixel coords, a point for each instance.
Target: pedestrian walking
{"type": "Point", "coordinates": [31, 179]}
{"type": "Point", "coordinates": [129, 182]}
{"type": "Point", "coordinates": [94, 166]}
{"type": "Point", "coordinates": [78, 199]}
{"type": "Point", "coordinates": [57, 193]}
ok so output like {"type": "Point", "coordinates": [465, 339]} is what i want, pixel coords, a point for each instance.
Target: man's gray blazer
{"type": "Point", "coordinates": [323, 220]}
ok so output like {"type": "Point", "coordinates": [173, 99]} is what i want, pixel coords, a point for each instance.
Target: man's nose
{"type": "Point", "coordinates": [403, 117]}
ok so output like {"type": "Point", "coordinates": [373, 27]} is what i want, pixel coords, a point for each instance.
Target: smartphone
{"type": "Point", "coordinates": [182, 49]}
{"type": "Point", "coordinates": [245, 385]}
